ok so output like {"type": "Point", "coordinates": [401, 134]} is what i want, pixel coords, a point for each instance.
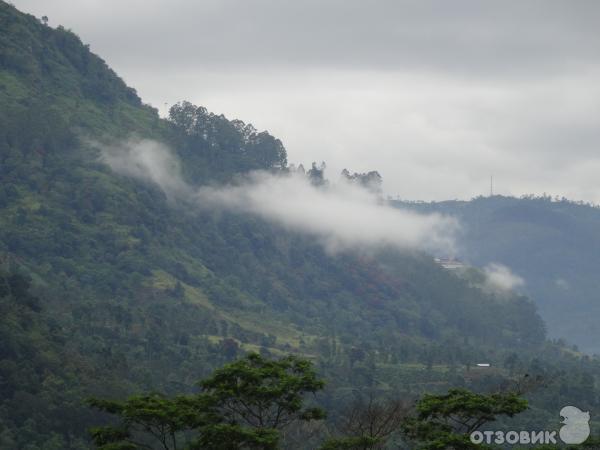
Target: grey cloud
{"type": "Point", "coordinates": [464, 36]}
{"type": "Point", "coordinates": [562, 284]}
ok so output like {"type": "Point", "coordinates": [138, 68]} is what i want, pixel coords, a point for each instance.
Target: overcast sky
{"type": "Point", "coordinates": [435, 95]}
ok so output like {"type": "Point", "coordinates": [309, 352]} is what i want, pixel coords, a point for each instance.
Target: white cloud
{"type": "Point", "coordinates": [147, 160]}
{"type": "Point", "coordinates": [501, 277]}
{"type": "Point", "coordinates": [341, 215]}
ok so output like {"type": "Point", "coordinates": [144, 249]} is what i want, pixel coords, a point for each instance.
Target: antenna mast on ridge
{"type": "Point", "coordinates": [491, 185]}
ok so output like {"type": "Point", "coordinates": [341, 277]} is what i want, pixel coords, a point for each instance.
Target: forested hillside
{"type": "Point", "coordinates": [553, 244]}
{"type": "Point", "coordinates": [109, 287]}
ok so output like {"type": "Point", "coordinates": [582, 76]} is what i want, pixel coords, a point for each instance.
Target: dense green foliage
{"type": "Point", "coordinates": [248, 403]}
{"type": "Point", "coordinates": [139, 294]}
{"type": "Point", "coordinates": [244, 404]}
{"type": "Point", "coordinates": [447, 421]}
{"type": "Point", "coordinates": [44, 374]}
{"type": "Point", "coordinates": [554, 244]}
{"type": "Point", "coordinates": [214, 147]}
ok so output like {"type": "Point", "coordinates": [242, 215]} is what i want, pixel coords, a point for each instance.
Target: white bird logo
{"type": "Point", "coordinates": [576, 428]}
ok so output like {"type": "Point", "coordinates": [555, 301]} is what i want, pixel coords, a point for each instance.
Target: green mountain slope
{"type": "Point", "coordinates": [553, 245]}
{"type": "Point", "coordinates": [136, 292]}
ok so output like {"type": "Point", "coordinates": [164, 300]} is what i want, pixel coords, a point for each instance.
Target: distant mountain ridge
{"type": "Point", "coordinates": [553, 244]}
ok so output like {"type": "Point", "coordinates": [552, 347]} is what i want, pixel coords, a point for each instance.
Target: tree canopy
{"type": "Point", "coordinates": [241, 405]}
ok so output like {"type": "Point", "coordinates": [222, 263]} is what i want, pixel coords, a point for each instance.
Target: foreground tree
{"type": "Point", "coordinates": [151, 420]}
{"type": "Point", "coordinates": [245, 404]}
{"type": "Point", "coordinates": [255, 398]}
{"type": "Point", "coordinates": [447, 421]}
